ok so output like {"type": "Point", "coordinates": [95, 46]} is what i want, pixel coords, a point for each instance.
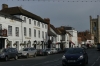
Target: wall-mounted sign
{"type": "Point", "coordinates": [27, 38]}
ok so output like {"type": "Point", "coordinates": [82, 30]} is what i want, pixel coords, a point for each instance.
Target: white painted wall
{"type": "Point", "coordinates": [13, 23]}
{"type": "Point", "coordinates": [74, 36]}
{"type": "Point", "coordinates": [21, 25]}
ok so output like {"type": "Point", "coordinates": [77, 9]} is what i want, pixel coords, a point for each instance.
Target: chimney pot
{"type": "Point", "coordinates": [4, 6]}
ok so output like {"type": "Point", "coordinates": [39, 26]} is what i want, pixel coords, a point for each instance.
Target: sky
{"type": "Point", "coordinates": [74, 14]}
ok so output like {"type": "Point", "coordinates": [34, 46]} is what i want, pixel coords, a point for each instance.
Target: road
{"type": "Point", "coordinates": [52, 60]}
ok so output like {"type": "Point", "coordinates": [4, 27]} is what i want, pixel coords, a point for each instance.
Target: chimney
{"type": "Point", "coordinates": [4, 6]}
{"type": "Point", "coordinates": [48, 22]}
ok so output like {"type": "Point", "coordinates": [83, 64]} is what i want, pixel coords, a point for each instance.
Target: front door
{"type": "Point", "coordinates": [2, 43]}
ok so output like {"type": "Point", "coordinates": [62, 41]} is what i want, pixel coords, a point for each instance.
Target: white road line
{"type": "Point", "coordinates": [93, 64]}
{"type": "Point", "coordinates": [98, 58]}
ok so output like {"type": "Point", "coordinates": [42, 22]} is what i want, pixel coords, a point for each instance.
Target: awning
{"type": "Point", "coordinates": [72, 43]}
{"type": "Point", "coordinates": [50, 33]}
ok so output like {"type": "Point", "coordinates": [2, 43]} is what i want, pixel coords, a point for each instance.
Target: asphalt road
{"type": "Point", "coordinates": [52, 60]}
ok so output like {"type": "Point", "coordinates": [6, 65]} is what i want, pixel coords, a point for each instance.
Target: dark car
{"type": "Point", "coordinates": [41, 52]}
{"type": "Point", "coordinates": [98, 46]}
{"type": "Point", "coordinates": [75, 56]}
{"type": "Point", "coordinates": [8, 53]}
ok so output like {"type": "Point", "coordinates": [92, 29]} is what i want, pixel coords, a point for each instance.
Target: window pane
{"type": "Point", "coordinates": [0, 29]}
{"type": "Point", "coordinates": [17, 31]}
{"type": "Point", "coordinates": [34, 22]}
{"type": "Point", "coordinates": [29, 32]}
{"type": "Point", "coordinates": [39, 33]}
{"type": "Point", "coordinates": [34, 33]}
{"type": "Point", "coordinates": [24, 19]}
{"type": "Point", "coordinates": [24, 31]}
{"type": "Point", "coordinates": [29, 21]}
{"type": "Point", "coordinates": [10, 30]}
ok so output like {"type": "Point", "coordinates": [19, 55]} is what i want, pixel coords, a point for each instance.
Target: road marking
{"type": "Point", "coordinates": [93, 64]}
{"type": "Point", "coordinates": [98, 58]}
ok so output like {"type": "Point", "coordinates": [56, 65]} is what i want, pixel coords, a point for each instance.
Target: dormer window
{"type": "Point", "coordinates": [42, 25]}
{"type": "Point", "coordinates": [35, 22]}
{"type": "Point", "coordinates": [29, 21]}
{"type": "Point", "coordinates": [45, 26]}
{"type": "Point", "coordinates": [24, 19]}
{"type": "Point", "coordinates": [38, 24]}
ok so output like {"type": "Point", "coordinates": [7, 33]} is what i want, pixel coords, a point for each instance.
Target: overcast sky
{"type": "Point", "coordinates": [74, 14]}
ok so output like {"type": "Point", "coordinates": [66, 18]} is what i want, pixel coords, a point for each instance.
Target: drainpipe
{"type": "Point", "coordinates": [22, 28]}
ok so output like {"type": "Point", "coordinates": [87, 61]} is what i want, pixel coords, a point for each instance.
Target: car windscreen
{"type": "Point", "coordinates": [47, 49]}
{"type": "Point", "coordinates": [26, 49]}
{"type": "Point", "coordinates": [3, 50]}
{"type": "Point", "coordinates": [74, 51]}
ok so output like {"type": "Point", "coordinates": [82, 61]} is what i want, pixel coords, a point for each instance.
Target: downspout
{"type": "Point", "coordinates": [22, 29]}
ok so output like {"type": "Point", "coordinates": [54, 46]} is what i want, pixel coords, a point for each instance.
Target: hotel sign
{"type": "Point", "coordinates": [27, 38]}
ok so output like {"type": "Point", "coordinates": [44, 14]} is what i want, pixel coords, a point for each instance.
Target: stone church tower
{"type": "Point", "coordinates": [95, 28]}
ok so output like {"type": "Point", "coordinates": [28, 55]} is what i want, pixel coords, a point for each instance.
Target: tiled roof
{"type": "Point", "coordinates": [54, 29]}
{"type": "Point", "coordinates": [21, 11]}
{"type": "Point", "coordinates": [59, 32]}
{"type": "Point", "coordinates": [63, 31]}
{"type": "Point", "coordinates": [50, 33]}
{"type": "Point", "coordinates": [8, 15]}
{"type": "Point", "coordinates": [84, 36]}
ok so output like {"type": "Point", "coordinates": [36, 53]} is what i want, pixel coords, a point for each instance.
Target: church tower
{"type": "Point", "coordinates": [95, 28]}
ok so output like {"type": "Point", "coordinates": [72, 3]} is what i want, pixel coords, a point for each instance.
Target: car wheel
{"type": "Point", "coordinates": [43, 54]}
{"type": "Point", "coordinates": [35, 55]}
{"type": "Point", "coordinates": [27, 56]}
{"type": "Point", "coordinates": [16, 57]}
{"type": "Point", "coordinates": [6, 58]}
{"type": "Point", "coordinates": [47, 54]}
{"type": "Point", "coordinates": [87, 61]}
{"type": "Point", "coordinates": [83, 64]}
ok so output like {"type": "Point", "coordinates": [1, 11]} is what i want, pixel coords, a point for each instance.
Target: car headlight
{"type": "Point", "coordinates": [81, 57]}
{"type": "Point", "coordinates": [63, 57]}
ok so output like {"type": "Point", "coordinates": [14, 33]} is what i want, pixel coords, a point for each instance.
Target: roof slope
{"type": "Point", "coordinates": [8, 15]}
{"type": "Point", "coordinates": [54, 29]}
{"type": "Point", "coordinates": [21, 11]}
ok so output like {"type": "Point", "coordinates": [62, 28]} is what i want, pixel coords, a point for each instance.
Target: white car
{"type": "Point", "coordinates": [26, 52]}
{"type": "Point", "coordinates": [53, 50]}
{"type": "Point", "coordinates": [49, 51]}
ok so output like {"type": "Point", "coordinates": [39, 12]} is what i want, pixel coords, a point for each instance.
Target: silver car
{"type": "Point", "coordinates": [53, 50]}
{"type": "Point", "coordinates": [27, 52]}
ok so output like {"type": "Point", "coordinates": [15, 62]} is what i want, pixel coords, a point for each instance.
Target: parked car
{"type": "Point", "coordinates": [59, 50]}
{"type": "Point", "coordinates": [98, 46]}
{"type": "Point", "coordinates": [8, 53]}
{"type": "Point", "coordinates": [26, 52]}
{"type": "Point", "coordinates": [48, 51]}
{"type": "Point", "coordinates": [75, 56]}
{"type": "Point", "coordinates": [65, 49]}
{"type": "Point", "coordinates": [42, 52]}
{"type": "Point", "coordinates": [53, 50]}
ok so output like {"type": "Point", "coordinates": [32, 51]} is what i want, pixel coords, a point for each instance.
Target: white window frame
{"type": "Point", "coordinates": [9, 30]}
{"type": "Point", "coordinates": [17, 31]}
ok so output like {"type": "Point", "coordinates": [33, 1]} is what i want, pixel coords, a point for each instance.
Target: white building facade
{"type": "Point", "coordinates": [13, 27]}
{"type": "Point", "coordinates": [32, 30]}
{"type": "Point", "coordinates": [74, 41]}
